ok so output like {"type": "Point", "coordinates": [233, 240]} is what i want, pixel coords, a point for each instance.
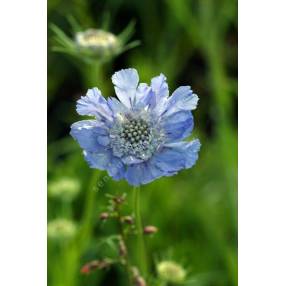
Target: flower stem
{"type": "Point", "coordinates": [127, 262]}
{"type": "Point", "coordinates": [141, 259]}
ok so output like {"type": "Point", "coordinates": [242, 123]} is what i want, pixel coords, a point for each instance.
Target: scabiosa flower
{"type": "Point", "coordinates": [138, 137]}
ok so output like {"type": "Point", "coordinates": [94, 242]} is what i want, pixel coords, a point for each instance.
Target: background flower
{"type": "Point", "coordinates": [171, 271]}
{"type": "Point", "coordinates": [61, 229]}
{"type": "Point", "coordinates": [64, 188]}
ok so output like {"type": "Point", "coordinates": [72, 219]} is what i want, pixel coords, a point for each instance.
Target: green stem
{"type": "Point", "coordinates": [127, 262]}
{"type": "Point", "coordinates": [141, 260]}
{"type": "Point", "coordinates": [93, 75]}
{"type": "Point", "coordinates": [87, 220]}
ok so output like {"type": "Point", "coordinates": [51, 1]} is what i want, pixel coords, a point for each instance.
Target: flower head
{"type": "Point", "coordinates": [92, 45]}
{"type": "Point", "coordinates": [61, 229]}
{"type": "Point", "coordinates": [65, 188]}
{"type": "Point", "coordinates": [101, 42]}
{"type": "Point", "coordinates": [171, 272]}
{"type": "Point", "coordinates": [138, 137]}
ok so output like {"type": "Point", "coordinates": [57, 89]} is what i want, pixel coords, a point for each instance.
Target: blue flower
{"type": "Point", "coordinates": [138, 137]}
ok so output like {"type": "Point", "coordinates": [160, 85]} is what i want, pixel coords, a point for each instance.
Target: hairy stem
{"type": "Point", "coordinates": [141, 258]}
{"type": "Point", "coordinates": [126, 258]}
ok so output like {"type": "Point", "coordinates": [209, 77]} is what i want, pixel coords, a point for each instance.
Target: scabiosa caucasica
{"type": "Point", "coordinates": [138, 137]}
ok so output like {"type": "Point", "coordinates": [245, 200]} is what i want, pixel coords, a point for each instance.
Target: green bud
{"type": "Point", "coordinates": [171, 272]}
{"type": "Point", "coordinates": [64, 188]}
{"type": "Point", "coordinates": [61, 229]}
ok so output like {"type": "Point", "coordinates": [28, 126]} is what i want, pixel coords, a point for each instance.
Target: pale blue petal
{"type": "Point", "coordinates": [176, 156]}
{"type": "Point", "coordinates": [94, 104]}
{"type": "Point", "coordinates": [178, 125]}
{"type": "Point", "coordinates": [116, 168]}
{"type": "Point", "coordinates": [90, 134]}
{"type": "Point", "coordinates": [144, 173]}
{"type": "Point", "coordinates": [116, 106]}
{"type": "Point", "coordinates": [161, 93]}
{"type": "Point", "coordinates": [138, 174]}
{"type": "Point", "coordinates": [160, 86]}
{"type": "Point", "coordinates": [144, 96]}
{"type": "Point", "coordinates": [103, 140]}
{"type": "Point", "coordinates": [128, 160]}
{"type": "Point", "coordinates": [98, 160]}
{"type": "Point", "coordinates": [182, 99]}
{"type": "Point", "coordinates": [106, 161]}
{"type": "Point", "coordinates": [126, 82]}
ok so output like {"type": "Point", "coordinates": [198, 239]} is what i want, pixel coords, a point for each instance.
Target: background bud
{"type": "Point", "coordinates": [61, 229]}
{"type": "Point", "coordinates": [64, 188]}
{"type": "Point", "coordinates": [150, 229]}
{"type": "Point", "coordinates": [170, 271]}
{"type": "Point", "coordinates": [104, 216]}
{"type": "Point", "coordinates": [128, 219]}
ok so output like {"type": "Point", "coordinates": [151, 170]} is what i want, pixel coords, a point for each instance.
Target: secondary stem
{"type": "Point", "coordinates": [142, 261]}
{"type": "Point", "coordinates": [127, 262]}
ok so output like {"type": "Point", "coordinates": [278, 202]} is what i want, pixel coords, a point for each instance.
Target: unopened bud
{"type": "Point", "coordinates": [104, 216]}
{"type": "Point", "coordinates": [171, 272]}
{"type": "Point", "coordinates": [150, 229]}
{"type": "Point", "coordinates": [95, 264]}
{"type": "Point", "coordinates": [61, 229]}
{"type": "Point", "coordinates": [119, 200]}
{"type": "Point", "coordinates": [102, 43]}
{"type": "Point", "coordinates": [128, 219]}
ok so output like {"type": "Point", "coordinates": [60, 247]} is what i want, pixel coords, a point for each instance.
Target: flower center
{"type": "Point", "coordinates": [136, 132]}
{"type": "Point", "coordinates": [134, 137]}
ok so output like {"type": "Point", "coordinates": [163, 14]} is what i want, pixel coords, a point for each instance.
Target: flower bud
{"type": "Point", "coordinates": [104, 216]}
{"type": "Point", "coordinates": [171, 272]}
{"type": "Point", "coordinates": [61, 229]}
{"type": "Point", "coordinates": [100, 42]}
{"type": "Point", "coordinates": [95, 264]}
{"type": "Point", "coordinates": [128, 219]}
{"type": "Point", "coordinates": [64, 188]}
{"type": "Point", "coordinates": [119, 200]}
{"type": "Point", "coordinates": [150, 229]}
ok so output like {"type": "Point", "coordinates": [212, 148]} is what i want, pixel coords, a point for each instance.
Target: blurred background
{"type": "Point", "coordinates": [192, 42]}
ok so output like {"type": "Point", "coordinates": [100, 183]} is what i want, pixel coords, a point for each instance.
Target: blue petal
{"type": "Point", "coordinates": [98, 160]}
{"type": "Point", "coordinates": [178, 125]}
{"type": "Point", "coordinates": [116, 106]}
{"type": "Point", "coordinates": [144, 173]}
{"type": "Point", "coordinates": [128, 160]}
{"type": "Point", "coordinates": [94, 104]}
{"type": "Point", "coordinates": [182, 99]}
{"type": "Point", "coordinates": [139, 174]}
{"type": "Point", "coordinates": [90, 134]}
{"type": "Point", "coordinates": [144, 96]}
{"type": "Point", "coordinates": [160, 87]}
{"type": "Point", "coordinates": [116, 168]}
{"type": "Point", "coordinates": [105, 161]}
{"type": "Point", "coordinates": [126, 82]}
{"type": "Point", "coordinates": [161, 93]}
{"type": "Point", "coordinates": [176, 156]}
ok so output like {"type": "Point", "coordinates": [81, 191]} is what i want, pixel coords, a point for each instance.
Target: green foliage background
{"type": "Point", "coordinates": [192, 42]}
